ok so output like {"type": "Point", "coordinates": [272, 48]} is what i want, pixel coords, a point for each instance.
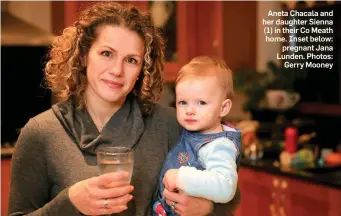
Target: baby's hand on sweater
{"type": "Point", "coordinates": [170, 178]}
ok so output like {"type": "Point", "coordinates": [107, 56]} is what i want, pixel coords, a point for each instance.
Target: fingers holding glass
{"type": "Point", "coordinates": [89, 196]}
{"type": "Point", "coordinates": [115, 192]}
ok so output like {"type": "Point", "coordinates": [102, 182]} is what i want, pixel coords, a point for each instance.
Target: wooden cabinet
{"type": "Point", "coordinates": [5, 181]}
{"type": "Point", "coordinates": [227, 29]}
{"type": "Point", "coordinates": [257, 193]}
{"type": "Point", "coordinates": [309, 200]}
{"type": "Point", "coordinates": [224, 29]}
{"type": "Point", "coordinates": [265, 194]}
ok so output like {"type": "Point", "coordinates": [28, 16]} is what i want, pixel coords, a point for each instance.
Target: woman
{"type": "Point", "coordinates": [106, 69]}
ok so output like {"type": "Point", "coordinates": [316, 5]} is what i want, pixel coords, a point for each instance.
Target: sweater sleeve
{"type": "Point", "coordinates": [219, 181]}
{"type": "Point", "coordinates": [30, 185]}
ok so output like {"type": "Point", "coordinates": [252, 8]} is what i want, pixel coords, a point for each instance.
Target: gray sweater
{"type": "Point", "coordinates": [58, 148]}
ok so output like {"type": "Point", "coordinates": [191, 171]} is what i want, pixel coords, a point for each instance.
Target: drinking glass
{"type": "Point", "coordinates": [115, 159]}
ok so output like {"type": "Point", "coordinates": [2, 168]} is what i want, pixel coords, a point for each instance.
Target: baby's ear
{"type": "Point", "coordinates": [225, 107]}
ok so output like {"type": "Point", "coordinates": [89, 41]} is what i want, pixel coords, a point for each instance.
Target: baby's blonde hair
{"type": "Point", "coordinates": [203, 66]}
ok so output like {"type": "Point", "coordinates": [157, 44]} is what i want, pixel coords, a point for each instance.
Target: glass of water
{"type": "Point", "coordinates": [115, 159]}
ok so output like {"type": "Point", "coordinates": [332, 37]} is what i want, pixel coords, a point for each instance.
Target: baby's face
{"type": "Point", "coordinates": [199, 103]}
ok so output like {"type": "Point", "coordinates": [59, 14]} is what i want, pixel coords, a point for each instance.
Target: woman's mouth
{"type": "Point", "coordinates": [112, 84]}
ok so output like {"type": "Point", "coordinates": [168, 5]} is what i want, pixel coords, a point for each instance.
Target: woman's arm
{"type": "Point", "coordinates": [195, 206]}
{"type": "Point", "coordinates": [187, 205]}
{"type": "Point", "coordinates": [30, 185]}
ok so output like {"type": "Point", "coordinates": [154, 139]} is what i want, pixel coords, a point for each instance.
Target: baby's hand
{"type": "Point", "coordinates": [169, 180]}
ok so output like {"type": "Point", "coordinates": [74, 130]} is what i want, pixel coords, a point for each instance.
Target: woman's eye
{"type": "Point", "coordinates": [202, 103]}
{"type": "Point", "coordinates": [182, 103]}
{"type": "Point", "coordinates": [106, 53]}
{"type": "Point", "coordinates": [132, 61]}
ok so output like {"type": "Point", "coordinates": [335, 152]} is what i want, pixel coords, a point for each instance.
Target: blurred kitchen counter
{"type": "Point", "coordinates": [330, 178]}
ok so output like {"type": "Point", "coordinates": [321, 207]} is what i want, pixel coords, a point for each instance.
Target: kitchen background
{"type": "Point", "coordinates": [290, 124]}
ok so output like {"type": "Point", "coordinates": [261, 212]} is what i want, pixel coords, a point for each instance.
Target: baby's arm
{"type": "Point", "coordinates": [219, 181]}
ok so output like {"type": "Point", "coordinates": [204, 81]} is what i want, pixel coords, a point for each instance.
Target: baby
{"type": "Point", "coordinates": [204, 161]}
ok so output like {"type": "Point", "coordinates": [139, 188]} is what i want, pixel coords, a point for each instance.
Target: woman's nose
{"type": "Point", "coordinates": [117, 67]}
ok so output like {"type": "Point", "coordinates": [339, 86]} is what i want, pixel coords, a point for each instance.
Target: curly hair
{"type": "Point", "coordinates": [65, 71]}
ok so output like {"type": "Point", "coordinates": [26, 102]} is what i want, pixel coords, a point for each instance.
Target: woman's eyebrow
{"type": "Point", "coordinates": [109, 47]}
{"type": "Point", "coordinates": [135, 55]}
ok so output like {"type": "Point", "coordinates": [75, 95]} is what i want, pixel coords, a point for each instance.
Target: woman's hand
{"type": "Point", "coordinates": [187, 205]}
{"type": "Point", "coordinates": [105, 194]}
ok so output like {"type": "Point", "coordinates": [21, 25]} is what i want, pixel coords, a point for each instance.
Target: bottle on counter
{"type": "Point", "coordinates": [290, 146]}
{"type": "Point", "coordinates": [291, 136]}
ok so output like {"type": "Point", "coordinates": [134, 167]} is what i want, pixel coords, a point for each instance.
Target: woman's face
{"type": "Point", "coordinates": [114, 63]}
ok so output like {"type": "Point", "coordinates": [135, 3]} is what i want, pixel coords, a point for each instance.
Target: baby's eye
{"type": "Point", "coordinates": [132, 60]}
{"type": "Point", "coordinates": [106, 53]}
{"type": "Point", "coordinates": [182, 103]}
{"type": "Point", "coordinates": [202, 103]}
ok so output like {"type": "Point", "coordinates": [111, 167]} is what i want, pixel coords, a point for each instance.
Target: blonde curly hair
{"type": "Point", "coordinates": [65, 71]}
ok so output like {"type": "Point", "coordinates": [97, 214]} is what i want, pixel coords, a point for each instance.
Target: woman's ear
{"type": "Point", "coordinates": [225, 107]}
